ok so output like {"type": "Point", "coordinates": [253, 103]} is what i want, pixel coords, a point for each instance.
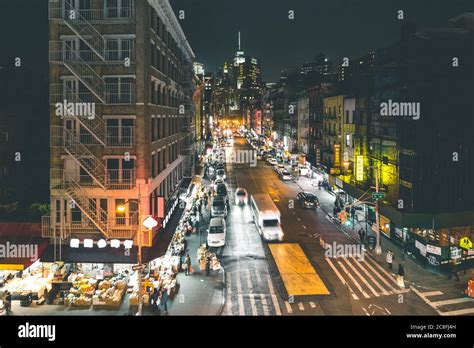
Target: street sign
{"type": "Point", "coordinates": [465, 243]}
{"type": "Point", "coordinates": [138, 267]}
{"type": "Point", "coordinates": [378, 195]}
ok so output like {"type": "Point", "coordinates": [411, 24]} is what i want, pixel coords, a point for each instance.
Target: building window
{"type": "Point", "coordinates": [120, 90]}
{"type": "Point", "coordinates": [120, 131]}
{"type": "Point", "coordinates": [118, 8]}
{"type": "Point", "coordinates": [120, 171]}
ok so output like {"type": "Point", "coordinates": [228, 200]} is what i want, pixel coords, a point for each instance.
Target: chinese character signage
{"type": "Point", "coordinates": [360, 168]}
{"type": "Point", "coordinates": [337, 155]}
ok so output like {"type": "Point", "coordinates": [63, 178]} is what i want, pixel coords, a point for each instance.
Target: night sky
{"type": "Point", "coordinates": [337, 27]}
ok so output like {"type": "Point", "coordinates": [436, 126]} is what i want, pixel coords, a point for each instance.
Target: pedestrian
{"type": "Point", "coordinates": [453, 270]}
{"type": "Point", "coordinates": [361, 236]}
{"type": "Point", "coordinates": [164, 299]}
{"type": "Point", "coordinates": [8, 302]}
{"type": "Point", "coordinates": [401, 274]}
{"type": "Point", "coordinates": [188, 264]}
{"type": "Point", "coordinates": [155, 297]}
{"type": "Point", "coordinates": [389, 258]}
{"type": "Point", "coordinates": [208, 265]}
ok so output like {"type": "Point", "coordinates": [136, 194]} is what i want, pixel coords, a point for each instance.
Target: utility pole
{"type": "Point", "coordinates": [139, 256]}
{"type": "Point", "coordinates": [378, 248]}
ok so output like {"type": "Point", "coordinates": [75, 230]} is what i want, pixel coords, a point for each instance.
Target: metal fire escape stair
{"type": "Point", "coordinates": [95, 126]}
{"type": "Point", "coordinates": [84, 29]}
{"type": "Point", "coordinates": [85, 158]}
{"type": "Point", "coordinates": [86, 74]}
{"type": "Point", "coordinates": [76, 194]}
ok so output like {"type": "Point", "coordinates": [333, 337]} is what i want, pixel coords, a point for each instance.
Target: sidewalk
{"type": "Point", "coordinates": [415, 273]}
{"type": "Point", "coordinates": [199, 294]}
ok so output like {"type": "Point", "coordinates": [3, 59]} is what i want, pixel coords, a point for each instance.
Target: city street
{"type": "Point", "coordinates": [254, 286]}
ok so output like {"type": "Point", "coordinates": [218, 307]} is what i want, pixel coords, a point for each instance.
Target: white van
{"type": "Point", "coordinates": [216, 232]}
{"type": "Point", "coordinates": [267, 217]}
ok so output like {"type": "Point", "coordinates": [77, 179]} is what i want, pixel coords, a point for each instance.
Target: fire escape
{"type": "Point", "coordinates": [188, 131]}
{"type": "Point", "coordinates": [63, 12]}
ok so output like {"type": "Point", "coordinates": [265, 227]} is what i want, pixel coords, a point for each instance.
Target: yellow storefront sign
{"type": "Point", "coordinates": [337, 155]}
{"type": "Point", "coordinates": [360, 168]}
{"type": "Point", "coordinates": [465, 243]}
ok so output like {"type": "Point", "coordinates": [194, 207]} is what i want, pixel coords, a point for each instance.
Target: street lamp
{"type": "Point", "coordinates": [149, 223]}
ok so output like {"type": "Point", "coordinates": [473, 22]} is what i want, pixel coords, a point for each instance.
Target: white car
{"type": "Point", "coordinates": [216, 233]}
{"type": "Point", "coordinates": [279, 168]}
{"type": "Point", "coordinates": [241, 196]}
{"type": "Point", "coordinates": [272, 161]}
{"type": "Point", "coordinates": [285, 175]}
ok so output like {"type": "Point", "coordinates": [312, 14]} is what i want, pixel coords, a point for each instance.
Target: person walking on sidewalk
{"type": "Point", "coordinates": [208, 266]}
{"type": "Point", "coordinates": [401, 274]}
{"type": "Point", "coordinates": [453, 270]}
{"type": "Point", "coordinates": [389, 258]}
{"type": "Point", "coordinates": [188, 265]}
{"type": "Point", "coordinates": [164, 299]}
{"type": "Point", "coordinates": [8, 302]}
{"type": "Point", "coordinates": [361, 236]}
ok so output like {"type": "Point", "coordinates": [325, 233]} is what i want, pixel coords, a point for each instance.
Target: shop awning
{"type": "Point", "coordinates": [92, 255]}
{"type": "Point", "coordinates": [162, 239]}
{"type": "Point", "coordinates": [21, 245]}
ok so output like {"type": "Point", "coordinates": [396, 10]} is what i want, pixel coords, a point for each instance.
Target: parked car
{"type": "Point", "coordinates": [285, 175]}
{"type": "Point", "coordinates": [218, 207]}
{"type": "Point", "coordinates": [217, 182]}
{"type": "Point", "coordinates": [307, 200]}
{"type": "Point", "coordinates": [272, 161]}
{"type": "Point", "coordinates": [221, 190]}
{"type": "Point", "coordinates": [241, 196]}
{"type": "Point", "coordinates": [220, 174]}
{"type": "Point", "coordinates": [216, 233]}
{"type": "Point", "coordinates": [279, 168]}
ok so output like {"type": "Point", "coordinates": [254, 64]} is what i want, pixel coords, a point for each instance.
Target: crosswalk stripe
{"type": "Point", "coordinates": [453, 301]}
{"type": "Point", "coordinates": [383, 270]}
{"type": "Point", "coordinates": [252, 299]}
{"type": "Point", "coordinates": [359, 264]}
{"type": "Point", "coordinates": [264, 304]}
{"type": "Point", "coordinates": [300, 306]}
{"type": "Point", "coordinates": [239, 295]}
{"type": "Point", "coordinates": [262, 296]}
{"type": "Point", "coordinates": [459, 312]}
{"type": "Point", "coordinates": [312, 304]}
{"type": "Point", "coordinates": [229, 294]}
{"type": "Point", "coordinates": [288, 307]}
{"type": "Point", "coordinates": [343, 281]}
{"type": "Point", "coordinates": [360, 277]}
{"type": "Point", "coordinates": [353, 280]}
{"type": "Point", "coordinates": [382, 278]}
{"type": "Point", "coordinates": [276, 305]}
{"type": "Point", "coordinates": [432, 293]}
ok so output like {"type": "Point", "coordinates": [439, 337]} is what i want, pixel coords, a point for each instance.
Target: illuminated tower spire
{"type": "Point", "coordinates": [239, 40]}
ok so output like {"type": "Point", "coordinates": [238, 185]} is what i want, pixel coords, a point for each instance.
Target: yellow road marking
{"type": "Point", "coordinates": [297, 273]}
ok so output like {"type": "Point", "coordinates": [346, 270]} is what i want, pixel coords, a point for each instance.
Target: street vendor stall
{"type": "Point", "coordinates": [202, 254]}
